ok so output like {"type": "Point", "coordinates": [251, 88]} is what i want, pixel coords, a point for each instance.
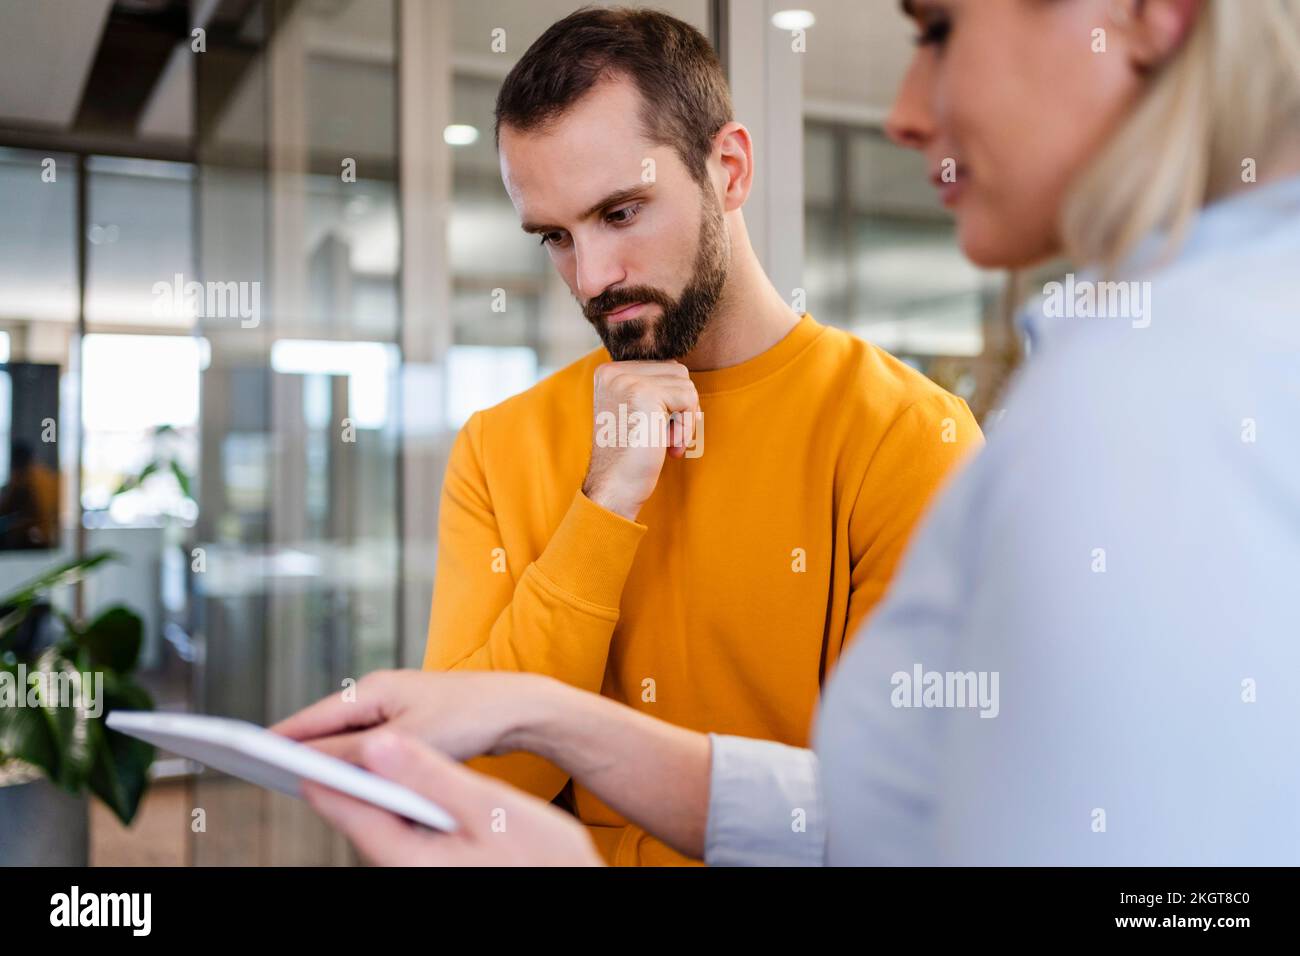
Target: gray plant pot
{"type": "Point", "coordinates": [41, 825]}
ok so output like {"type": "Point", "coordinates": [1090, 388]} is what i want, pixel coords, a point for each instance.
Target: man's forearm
{"type": "Point", "coordinates": [649, 771]}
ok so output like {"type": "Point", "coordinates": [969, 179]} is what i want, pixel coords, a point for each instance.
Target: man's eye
{"type": "Point", "coordinates": [552, 238]}
{"type": "Point", "coordinates": [621, 217]}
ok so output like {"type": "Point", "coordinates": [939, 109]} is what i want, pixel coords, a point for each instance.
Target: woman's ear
{"type": "Point", "coordinates": [735, 153]}
{"type": "Point", "coordinates": [1155, 30]}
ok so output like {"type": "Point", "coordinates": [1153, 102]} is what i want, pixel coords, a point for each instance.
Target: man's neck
{"type": "Point", "coordinates": [750, 317]}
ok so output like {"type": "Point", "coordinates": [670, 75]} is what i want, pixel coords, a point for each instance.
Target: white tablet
{"type": "Point", "coordinates": [269, 760]}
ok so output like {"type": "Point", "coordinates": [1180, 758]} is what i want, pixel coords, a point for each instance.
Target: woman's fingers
{"type": "Point", "coordinates": [469, 797]}
{"type": "Point", "coordinates": [366, 706]}
{"type": "Point", "coordinates": [379, 836]}
{"type": "Point", "coordinates": [537, 833]}
{"type": "Point", "coordinates": [343, 746]}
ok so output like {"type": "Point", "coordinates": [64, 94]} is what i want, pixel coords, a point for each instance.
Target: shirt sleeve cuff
{"type": "Point", "coordinates": [764, 805]}
{"type": "Point", "coordinates": [591, 552]}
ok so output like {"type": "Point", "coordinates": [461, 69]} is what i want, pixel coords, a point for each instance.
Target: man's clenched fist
{"type": "Point", "coordinates": [660, 399]}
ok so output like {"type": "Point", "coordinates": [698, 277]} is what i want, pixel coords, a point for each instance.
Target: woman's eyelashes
{"type": "Point", "coordinates": [616, 217]}
{"type": "Point", "coordinates": [934, 32]}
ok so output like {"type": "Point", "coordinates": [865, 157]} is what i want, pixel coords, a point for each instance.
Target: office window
{"type": "Point", "coordinates": [38, 324]}
{"type": "Point", "coordinates": [881, 254]}
{"type": "Point", "coordinates": [140, 418]}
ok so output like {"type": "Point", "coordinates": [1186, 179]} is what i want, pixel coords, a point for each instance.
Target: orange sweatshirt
{"type": "Point", "coordinates": [726, 604]}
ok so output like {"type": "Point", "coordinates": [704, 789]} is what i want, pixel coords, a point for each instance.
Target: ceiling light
{"type": "Point", "coordinates": [793, 19]}
{"type": "Point", "coordinates": [458, 134]}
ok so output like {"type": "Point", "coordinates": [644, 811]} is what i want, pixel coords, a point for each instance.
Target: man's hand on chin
{"type": "Point", "coordinates": [621, 478]}
{"type": "Point", "coordinates": [498, 825]}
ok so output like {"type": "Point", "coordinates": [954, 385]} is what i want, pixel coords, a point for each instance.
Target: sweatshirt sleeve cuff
{"type": "Point", "coordinates": [764, 805]}
{"type": "Point", "coordinates": [591, 552]}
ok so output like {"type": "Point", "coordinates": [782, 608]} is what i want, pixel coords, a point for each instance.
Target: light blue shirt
{"type": "Point", "coordinates": [1123, 559]}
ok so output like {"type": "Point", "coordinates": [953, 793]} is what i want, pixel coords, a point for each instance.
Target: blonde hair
{"type": "Point", "coordinates": [1232, 93]}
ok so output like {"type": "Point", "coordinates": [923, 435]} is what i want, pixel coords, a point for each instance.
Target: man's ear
{"type": "Point", "coordinates": [1155, 30]}
{"type": "Point", "coordinates": [735, 152]}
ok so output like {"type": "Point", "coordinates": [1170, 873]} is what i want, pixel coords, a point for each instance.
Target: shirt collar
{"type": "Point", "coordinates": [1227, 223]}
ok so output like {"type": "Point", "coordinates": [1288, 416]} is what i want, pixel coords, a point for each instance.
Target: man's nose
{"type": "Point", "coordinates": [597, 268]}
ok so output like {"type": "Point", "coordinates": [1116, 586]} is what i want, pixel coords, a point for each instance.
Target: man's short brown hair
{"type": "Point", "coordinates": [684, 94]}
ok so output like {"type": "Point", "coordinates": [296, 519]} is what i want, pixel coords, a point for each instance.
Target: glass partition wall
{"type": "Point", "coordinates": [263, 293]}
{"type": "Point", "coordinates": [208, 273]}
{"type": "Point", "coordinates": [297, 213]}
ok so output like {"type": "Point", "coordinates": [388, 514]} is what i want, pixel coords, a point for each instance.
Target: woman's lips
{"type": "Point", "coordinates": [950, 192]}
{"type": "Point", "coordinates": [626, 312]}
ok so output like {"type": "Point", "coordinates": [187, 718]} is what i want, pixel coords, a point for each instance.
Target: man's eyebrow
{"type": "Point", "coordinates": [614, 198]}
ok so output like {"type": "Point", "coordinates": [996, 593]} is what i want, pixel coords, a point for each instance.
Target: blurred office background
{"type": "Point", "coordinates": [273, 487]}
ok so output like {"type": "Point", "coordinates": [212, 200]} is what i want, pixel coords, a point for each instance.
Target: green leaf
{"type": "Point", "coordinates": [131, 482]}
{"type": "Point", "coordinates": [25, 734]}
{"type": "Point", "coordinates": [113, 639]}
{"type": "Point", "coordinates": [119, 771]}
{"type": "Point", "coordinates": [64, 574]}
{"type": "Point", "coordinates": [182, 479]}
{"type": "Point", "coordinates": [11, 618]}
{"type": "Point", "coordinates": [68, 746]}
{"type": "Point", "coordinates": [66, 723]}
{"type": "Point", "coordinates": [122, 693]}
{"type": "Point", "coordinates": [70, 644]}
{"type": "Point", "coordinates": [39, 730]}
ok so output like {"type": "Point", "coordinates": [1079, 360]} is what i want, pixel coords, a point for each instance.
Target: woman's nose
{"type": "Point", "coordinates": [910, 122]}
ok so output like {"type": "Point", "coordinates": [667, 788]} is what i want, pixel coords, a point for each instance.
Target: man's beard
{"type": "Point", "coordinates": [678, 328]}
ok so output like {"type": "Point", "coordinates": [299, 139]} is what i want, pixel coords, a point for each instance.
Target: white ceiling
{"type": "Point", "coordinates": [871, 36]}
{"type": "Point", "coordinates": [525, 20]}
{"type": "Point", "coordinates": [46, 51]}
{"type": "Point", "coordinates": [47, 48]}
{"type": "Point", "coordinates": [857, 52]}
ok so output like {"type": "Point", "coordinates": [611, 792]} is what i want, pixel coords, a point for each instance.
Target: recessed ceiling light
{"type": "Point", "coordinates": [459, 134]}
{"type": "Point", "coordinates": [793, 19]}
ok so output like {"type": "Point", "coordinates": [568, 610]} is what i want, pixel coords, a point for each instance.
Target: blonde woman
{"type": "Point", "coordinates": [1092, 651]}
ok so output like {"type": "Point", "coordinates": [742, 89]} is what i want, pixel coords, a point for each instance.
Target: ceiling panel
{"type": "Point", "coordinates": [47, 48]}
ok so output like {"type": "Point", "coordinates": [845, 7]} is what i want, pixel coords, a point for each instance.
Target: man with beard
{"type": "Point", "coordinates": [712, 584]}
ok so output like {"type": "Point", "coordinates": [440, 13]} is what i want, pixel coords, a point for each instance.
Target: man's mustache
{"type": "Point", "coordinates": [612, 299]}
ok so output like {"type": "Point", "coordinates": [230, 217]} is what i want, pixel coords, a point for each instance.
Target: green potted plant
{"type": "Point", "coordinates": [166, 460]}
{"type": "Point", "coordinates": [60, 677]}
